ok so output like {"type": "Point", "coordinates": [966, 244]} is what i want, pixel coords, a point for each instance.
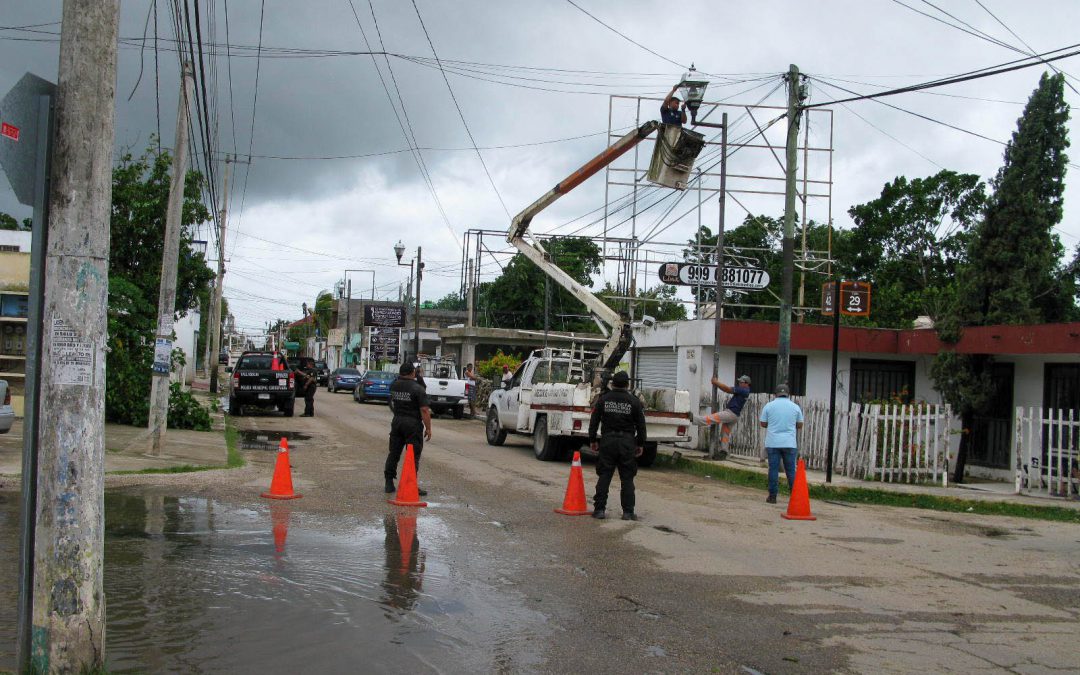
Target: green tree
{"type": "Point", "coordinates": [324, 309]}
{"type": "Point", "coordinates": [1014, 272]}
{"type": "Point", "coordinates": [8, 222]}
{"type": "Point", "coordinates": [910, 242]}
{"type": "Point", "coordinates": [660, 302]}
{"type": "Point", "coordinates": [516, 298]}
{"type": "Point", "coordinates": [450, 301]}
{"type": "Point", "coordinates": [140, 194]}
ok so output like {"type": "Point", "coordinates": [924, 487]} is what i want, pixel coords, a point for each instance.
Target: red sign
{"type": "Point", "coordinates": [854, 298]}
{"type": "Point", "coordinates": [10, 131]}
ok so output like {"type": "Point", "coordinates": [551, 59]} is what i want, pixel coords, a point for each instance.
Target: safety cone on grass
{"type": "Point", "coordinates": [798, 507]}
{"type": "Point", "coordinates": [574, 501]}
{"type": "Point", "coordinates": [281, 485]}
{"type": "Point", "coordinates": [408, 493]}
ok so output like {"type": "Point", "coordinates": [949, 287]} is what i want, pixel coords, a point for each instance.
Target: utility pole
{"type": "Point", "coordinates": [159, 383]}
{"type": "Point", "coordinates": [718, 309]}
{"type": "Point", "coordinates": [795, 96]}
{"type": "Point", "coordinates": [348, 322]}
{"type": "Point", "coordinates": [213, 324]}
{"type": "Point", "coordinates": [68, 633]}
{"type": "Point", "coordinates": [416, 314]}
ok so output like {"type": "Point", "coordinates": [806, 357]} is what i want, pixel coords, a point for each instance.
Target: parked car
{"type": "Point", "coordinates": [323, 371]}
{"type": "Point", "coordinates": [343, 379]}
{"type": "Point", "coordinates": [374, 386]}
{"type": "Point", "coordinates": [446, 392]}
{"type": "Point", "coordinates": [7, 413]}
{"type": "Point", "coordinates": [261, 379]}
{"type": "Point", "coordinates": [223, 357]}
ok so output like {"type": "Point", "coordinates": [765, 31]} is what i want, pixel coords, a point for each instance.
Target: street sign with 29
{"type": "Point", "coordinates": [689, 274]}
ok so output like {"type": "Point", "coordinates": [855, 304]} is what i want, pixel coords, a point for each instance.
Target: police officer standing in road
{"type": "Point", "coordinates": [622, 440]}
{"type": "Point", "coordinates": [307, 381]}
{"type": "Point", "coordinates": [411, 424]}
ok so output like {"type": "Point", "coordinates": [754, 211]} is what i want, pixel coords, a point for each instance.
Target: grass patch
{"type": "Point", "coordinates": [183, 468]}
{"type": "Point", "coordinates": [232, 442]}
{"type": "Point", "coordinates": [862, 495]}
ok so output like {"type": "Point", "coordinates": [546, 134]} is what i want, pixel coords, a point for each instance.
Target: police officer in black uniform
{"type": "Point", "coordinates": [307, 381]}
{"type": "Point", "coordinates": [621, 442]}
{"type": "Point", "coordinates": [411, 423]}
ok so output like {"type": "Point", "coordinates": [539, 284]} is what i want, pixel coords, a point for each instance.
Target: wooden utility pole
{"type": "Point", "coordinates": [68, 599]}
{"type": "Point", "coordinates": [213, 324]}
{"type": "Point", "coordinates": [783, 348]}
{"type": "Point", "coordinates": [159, 387]}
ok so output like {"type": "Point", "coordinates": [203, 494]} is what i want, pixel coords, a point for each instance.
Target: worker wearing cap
{"type": "Point", "coordinates": [621, 418]}
{"type": "Point", "coordinates": [670, 112]}
{"type": "Point", "coordinates": [730, 414]}
{"type": "Point", "coordinates": [411, 424]}
{"type": "Point", "coordinates": [783, 418]}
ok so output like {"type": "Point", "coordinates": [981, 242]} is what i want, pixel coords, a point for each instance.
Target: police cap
{"type": "Point", "coordinates": [406, 369]}
{"type": "Point", "coordinates": [620, 379]}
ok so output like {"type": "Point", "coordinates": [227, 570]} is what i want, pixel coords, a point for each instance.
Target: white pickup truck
{"type": "Point", "coordinates": [547, 400]}
{"type": "Point", "coordinates": [446, 393]}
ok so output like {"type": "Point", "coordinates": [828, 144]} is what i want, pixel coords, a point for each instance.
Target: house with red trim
{"type": "Point", "coordinates": [1036, 365]}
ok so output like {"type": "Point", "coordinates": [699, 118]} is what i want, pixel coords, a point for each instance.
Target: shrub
{"type": "Point", "coordinates": [491, 369]}
{"type": "Point", "coordinates": [185, 412]}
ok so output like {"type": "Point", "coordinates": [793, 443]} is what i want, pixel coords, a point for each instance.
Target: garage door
{"type": "Point", "coordinates": [657, 367]}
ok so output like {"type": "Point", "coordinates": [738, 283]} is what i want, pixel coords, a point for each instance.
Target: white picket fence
{"type": "Point", "coordinates": [1047, 456]}
{"type": "Point", "coordinates": [890, 443]}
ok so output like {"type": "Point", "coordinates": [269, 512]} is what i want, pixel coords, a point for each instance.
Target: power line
{"type": "Point", "coordinates": [624, 35]}
{"type": "Point", "coordinates": [1030, 49]}
{"type": "Point", "coordinates": [254, 104]}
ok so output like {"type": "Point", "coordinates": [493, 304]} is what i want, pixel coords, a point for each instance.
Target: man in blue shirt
{"type": "Point", "coordinates": [783, 418]}
{"type": "Point", "coordinates": [730, 414]}
{"type": "Point", "coordinates": [670, 112]}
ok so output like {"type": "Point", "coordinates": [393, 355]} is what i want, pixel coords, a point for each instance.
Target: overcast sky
{"type": "Point", "coordinates": [296, 224]}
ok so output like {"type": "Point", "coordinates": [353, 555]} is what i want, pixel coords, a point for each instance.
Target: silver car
{"type": "Point", "coordinates": [7, 413]}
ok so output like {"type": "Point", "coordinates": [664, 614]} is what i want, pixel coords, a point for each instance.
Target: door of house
{"type": "Point", "coordinates": [657, 367]}
{"type": "Point", "coordinates": [991, 434]}
{"type": "Point", "coordinates": [1061, 396]}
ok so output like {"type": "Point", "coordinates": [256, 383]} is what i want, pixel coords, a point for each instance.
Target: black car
{"type": "Point", "coordinates": [323, 372]}
{"type": "Point", "coordinates": [223, 358]}
{"type": "Point", "coordinates": [261, 379]}
{"type": "Point", "coordinates": [343, 379]}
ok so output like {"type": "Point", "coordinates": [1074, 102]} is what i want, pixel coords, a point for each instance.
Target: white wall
{"type": "Point", "coordinates": [16, 238]}
{"type": "Point", "coordinates": [187, 329]}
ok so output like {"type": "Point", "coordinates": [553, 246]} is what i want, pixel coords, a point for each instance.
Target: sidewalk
{"type": "Point", "coordinates": [125, 449]}
{"type": "Point", "coordinates": [975, 491]}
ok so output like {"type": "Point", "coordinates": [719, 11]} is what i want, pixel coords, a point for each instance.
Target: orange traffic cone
{"type": "Point", "coordinates": [408, 493]}
{"type": "Point", "coordinates": [798, 507]}
{"type": "Point", "coordinates": [574, 501]}
{"type": "Point", "coordinates": [281, 485]}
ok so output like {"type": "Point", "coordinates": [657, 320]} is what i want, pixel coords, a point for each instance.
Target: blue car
{"type": "Point", "coordinates": [343, 379]}
{"type": "Point", "coordinates": [375, 385]}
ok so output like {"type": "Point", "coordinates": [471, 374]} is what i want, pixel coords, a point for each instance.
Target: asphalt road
{"type": "Point", "coordinates": [489, 579]}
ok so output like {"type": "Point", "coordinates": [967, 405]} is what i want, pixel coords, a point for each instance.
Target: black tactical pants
{"type": "Point", "coordinates": [309, 400]}
{"type": "Point", "coordinates": [403, 431]}
{"type": "Point", "coordinates": [617, 450]}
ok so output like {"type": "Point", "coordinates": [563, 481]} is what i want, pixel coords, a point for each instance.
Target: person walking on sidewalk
{"type": "Point", "coordinates": [470, 381]}
{"type": "Point", "coordinates": [411, 424]}
{"type": "Point", "coordinates": [621, 418]}
{"type": "Point", "coordinates": [782, 417]}
{"type": "Point", "coordinates": [730, 414]}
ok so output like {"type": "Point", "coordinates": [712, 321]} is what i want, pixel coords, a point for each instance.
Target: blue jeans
{"type": "Point", "coordinates": [775, 455]}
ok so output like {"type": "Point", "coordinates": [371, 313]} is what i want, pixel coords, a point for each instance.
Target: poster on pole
{"type": "Point", "coordinates": [72, 356]}
{"type": "Point", "coordinates": [162, 356]}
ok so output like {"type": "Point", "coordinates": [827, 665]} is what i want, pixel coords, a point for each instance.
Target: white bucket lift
{"type": "Point", "coordinates": [673, 156]}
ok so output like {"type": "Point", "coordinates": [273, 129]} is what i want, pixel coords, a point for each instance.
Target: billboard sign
{"type": "Point", "coordinates": [735, 278]}
{"type": "Point", "coordinates": [388, 316]}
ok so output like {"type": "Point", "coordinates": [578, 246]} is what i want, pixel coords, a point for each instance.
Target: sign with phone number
{"type": "Point", "coordinates": [689, 274]}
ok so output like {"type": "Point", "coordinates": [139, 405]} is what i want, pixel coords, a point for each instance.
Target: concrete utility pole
{"type": "Point", "coordinates": [159, 384]}
{"type": "Point", "coordinates": [213, 324]}
{"type": "Point", "coordinates": [783, 348]}
{"type": "Point", "coordinates": [416, 314]}
{"type": "Point", "coordinates": [718, 309]}
{"type": "Point", "coordinates": [68, 633]}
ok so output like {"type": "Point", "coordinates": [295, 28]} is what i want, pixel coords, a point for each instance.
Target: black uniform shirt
{"type": "Point", "coordinates": [619, 411]}
{"type": "Point", "coordinates": [408, 397]}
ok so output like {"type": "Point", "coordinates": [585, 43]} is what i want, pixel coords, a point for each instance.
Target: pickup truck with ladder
{"type": "Point", "coordinates": [551, 394]}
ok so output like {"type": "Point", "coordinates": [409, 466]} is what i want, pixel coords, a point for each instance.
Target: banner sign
{"type": "Point", "coordinates": [735, 278]}
{"type": "Point", "coordinates": [390, 316]}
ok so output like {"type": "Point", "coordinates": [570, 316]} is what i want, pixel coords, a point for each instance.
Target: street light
{"type": "Point", "coordinates": [348, 306]}
{"type": "Point", "coordinates": [693, 92]}
{"type": "Point", "coordinates": [399, 250]}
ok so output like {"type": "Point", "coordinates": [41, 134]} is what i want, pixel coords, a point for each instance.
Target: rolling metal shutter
{"type": "Point", "coordinates": [657, 367]}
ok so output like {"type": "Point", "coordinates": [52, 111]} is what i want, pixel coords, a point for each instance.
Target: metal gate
{"type": "Point", "coordinates": [657, 367]}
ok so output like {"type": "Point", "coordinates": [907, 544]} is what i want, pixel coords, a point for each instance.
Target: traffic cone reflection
{"type": "Point", "coordinates": [574, 501]}
{"type": "Point", "coordinates": [281, 486]}
{"type": "Point", "coordinates": [404, 561]}
{"type": "Point", "coordinates": [279, 519]}
{"type": "Point", "coordinates": [408, 493]}
{"type": "Point", "coordinates": [799, 504]}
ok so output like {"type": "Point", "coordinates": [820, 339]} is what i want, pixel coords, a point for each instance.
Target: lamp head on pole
{"type": "Point", "coordinates": [399, 249]}
{"type": "Point", "coordinates": [693, 91]}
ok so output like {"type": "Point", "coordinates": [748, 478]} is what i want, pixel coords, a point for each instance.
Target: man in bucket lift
{"type": "Point", "coordinates": [670, 112]}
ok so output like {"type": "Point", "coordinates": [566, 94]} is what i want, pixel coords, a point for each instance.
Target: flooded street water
{"type": "Point", "coordinates": [198, 585]}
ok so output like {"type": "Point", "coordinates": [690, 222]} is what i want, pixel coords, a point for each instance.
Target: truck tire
{"type": "Point", "coordinates": [546, 448]}
{"type": "Point", "coordinates": [648, 456]}
{"type": "Point", "coordinates": [234, 407]}
{"type": "Point", "coordinates": [496, 435]}
{"type": "Point", "coordinates": [289, 407]}
{"type": "Point", "coordinates": [358, 395]}
{"type": "Point", "coordinates": [459, 412]}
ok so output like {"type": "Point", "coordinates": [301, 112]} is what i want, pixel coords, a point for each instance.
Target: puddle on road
{"type": "Point", "coordinates": [256, 439]}
{"type": "Point", "coordinates": [197, 585]}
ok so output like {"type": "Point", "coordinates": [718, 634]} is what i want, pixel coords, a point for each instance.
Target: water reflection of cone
{"type": "Point", "coordinates": [281, 485]}
{"type": "Point", "coordinates": [408, 493]}
{"type": "Point", "coordinates": [406, 531]}
{"type": "Point", "coordinates": [799, 505]}
{"type": "Point", "coordinates": [574, 501]}
{"type": "Point", "coordinates": [279, 517]}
